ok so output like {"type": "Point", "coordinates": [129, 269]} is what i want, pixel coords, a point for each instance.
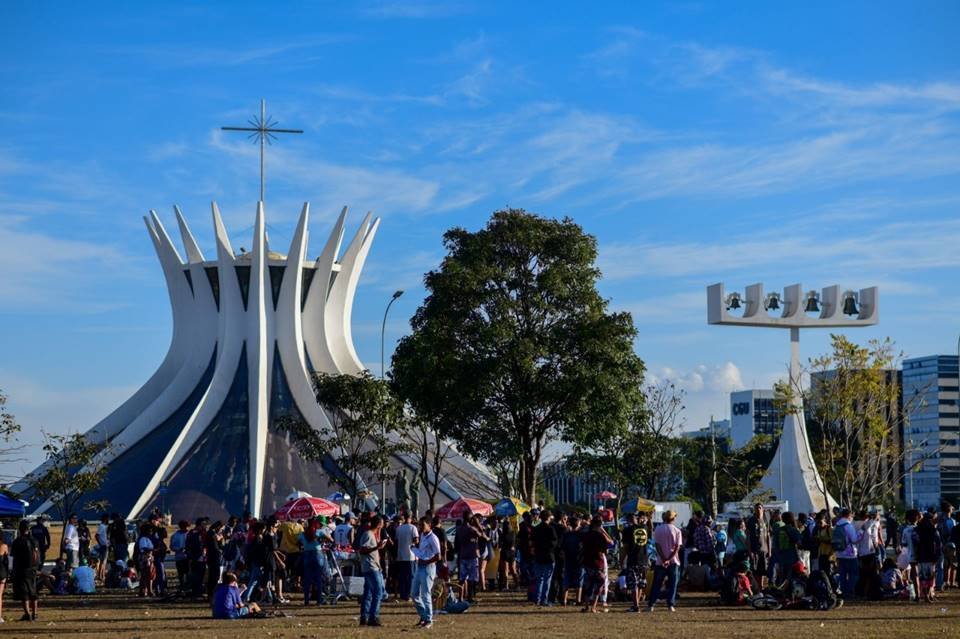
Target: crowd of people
{"type": "Point", "coordinates": [245, 567]}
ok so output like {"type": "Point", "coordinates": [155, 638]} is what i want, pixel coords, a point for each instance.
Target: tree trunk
{"type": "Point", "coordinates": [528, 479]}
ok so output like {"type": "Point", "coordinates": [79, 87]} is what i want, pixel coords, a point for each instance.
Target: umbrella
{"type": "Point", "coordinates": [510, 506]}
{"type": "Point", "coordinates": [605, 495]}
{"type": "Point", "coordinates": [297, 494]}
{"type": "Point", "coordinates": [459, 507]}
{"type": "Point", "coordinates": [305, 508]}
{"type": "Point", "coordinates": [637, 505]}
{"type": "Point", "coordinates": [338, 496]}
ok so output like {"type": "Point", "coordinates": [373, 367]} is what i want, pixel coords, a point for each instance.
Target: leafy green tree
{"type": "Point", "coordinates": [74, 468]}
{"type": "Point", "coordinates": [856, 421]}
{"type": "Point", "coordinates": [514, 345]}
{"type": "Point", "coordinates": [365, 428]}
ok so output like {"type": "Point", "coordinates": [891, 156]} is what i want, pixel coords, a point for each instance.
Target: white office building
{"type": "Point", "coordinates": [753, 412]}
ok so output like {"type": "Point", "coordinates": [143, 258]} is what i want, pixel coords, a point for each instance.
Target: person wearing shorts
{"type": "Point", "coordinates": [26, 560]}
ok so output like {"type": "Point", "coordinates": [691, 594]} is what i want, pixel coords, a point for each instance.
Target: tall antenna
{"type": "Point", "coordinates": [262, 130]}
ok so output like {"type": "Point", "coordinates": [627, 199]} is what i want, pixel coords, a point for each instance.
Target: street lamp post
{"type": "Point", "coordinates": [383, 371]}
{"type": "Point", "coordinates": [797, 475]}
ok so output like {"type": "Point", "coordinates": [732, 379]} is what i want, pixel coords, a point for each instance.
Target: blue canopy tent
{"type": "Point", "coordinates": [10, 507]}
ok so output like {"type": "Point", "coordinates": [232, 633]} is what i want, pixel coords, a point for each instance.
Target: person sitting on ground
{"type": "Point", "coordinates": [892, 583]}
{"type": "Point", "coordinates": [84, 579]}
{"type": "Point", "coordinates": [226, 602]}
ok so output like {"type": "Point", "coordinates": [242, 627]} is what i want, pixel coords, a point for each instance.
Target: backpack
{"type": "Point", "coordinates": [808, 540]}
{"type": "Point", "coordinates": [838, 539]}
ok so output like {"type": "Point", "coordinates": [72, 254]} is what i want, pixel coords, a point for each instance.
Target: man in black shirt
{"type": "Point", "coordinates": [633, 541]}
{"type": "Point", "coordinates": [544, 539]}
{"type": "Point", "coordinates": [41, 535]}
{"type": "Point", "coordinates": [570, 546]}
{"type": "Point", "coordinates": [26, 559]}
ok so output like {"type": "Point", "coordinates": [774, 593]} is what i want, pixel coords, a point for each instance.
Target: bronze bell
{"type": "Point", "coordinates": [850, 304]}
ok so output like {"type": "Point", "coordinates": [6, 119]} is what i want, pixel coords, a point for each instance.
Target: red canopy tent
{"type": "Point", "coordinates": [305, 508]}
{"type": "Point", "coordinates": [459, 507]}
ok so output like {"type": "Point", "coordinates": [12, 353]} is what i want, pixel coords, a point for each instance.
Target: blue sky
{"type": "Point", "coordinates": [698, 143]}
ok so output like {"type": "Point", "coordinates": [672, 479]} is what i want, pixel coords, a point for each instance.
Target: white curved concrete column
{"type": "Point", "coordinates": [290, 337]}
{"type": "Point", "coordinates": [339, 309]}
{"type": "Point", "coordinates": [259, 354]}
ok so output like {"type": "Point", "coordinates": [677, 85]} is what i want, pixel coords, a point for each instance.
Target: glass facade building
{"type": "Point", "coordinates": [932, 431]}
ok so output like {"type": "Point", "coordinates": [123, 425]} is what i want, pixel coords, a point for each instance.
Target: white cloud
{"type": "Point", "coordinates": [42, 271]}
{"type": "Point", "coordinates": [711, 378]}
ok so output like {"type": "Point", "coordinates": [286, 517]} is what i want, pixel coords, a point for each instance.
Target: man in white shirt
{"type": "Point", "coordinates": [427, 554]}
{"type": "Point", "coordinates": [406, 540]}
{"type": "Point", "coordinates": [71, 542]}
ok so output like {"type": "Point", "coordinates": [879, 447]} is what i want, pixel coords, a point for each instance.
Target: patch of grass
{"type": "Point", "coordinates": [122, 614]}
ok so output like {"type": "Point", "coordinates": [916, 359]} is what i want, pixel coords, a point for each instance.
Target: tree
{"type": "Point", "coordinates": [74, 468]}
{"type": "Point", "coordinates": [431, 452]}
{"type": "Point", "coordinates": [365, 428]}
{"type": "Point", "coordinates": [9, 428]}
{"type": "Point", "coordinates": [514, 345]}
{"type": "Point", "coordinates": [663, 415]}
{"type": "Point", "coordinates": [856, 418]}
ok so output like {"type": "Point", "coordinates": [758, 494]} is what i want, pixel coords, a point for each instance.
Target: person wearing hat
{"type": "Point", "coordinates": [668, 540]}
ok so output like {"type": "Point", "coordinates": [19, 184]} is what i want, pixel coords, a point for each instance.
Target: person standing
{"type": "Point", "coordinates": [845, 543]}
{"type": "Point", "coordinates": [311, 541]}
{"type": "Point", "coordinates": [4, 572]}
{"type": "Point", "coordinates": [214, 554]}
{"type": "Point", "coordinates": [544, 546]}
{"type": "Point", "coordinates": [406, 541]}
{"type": "Point", "coordinates": [787, 542]}
{"type": "Point", "coordinates": [868, 583]}
{"type": "Point", "coordinates": [908, 542]}
{"type": "Point", "coordinates": [468, 540]}
{"type": "Point", "coordinates": [71, 542]}
{"type": "Point", "coordinates": [927, 542]}
{"type": "Point", "coordinates": [41, 534]}
{"type": "Point", "coordinates": [178, 544]}
{"type": "Point", "coordinates": [195, 542]}
{"type": "Point", "coordinates": [26, 561]}
{"type": "Point", "coordinates": [594, 554]}
{"type": "Point", "coordinates": [508, 556]}
{"type": "Point", "coordinates": [118, 538]}
{"type": "Point", "coordinates": [427, 554]}
{"type": "Point", "coordinates": [369, 548]}
{"type": "Point", "coordinates": [145, 562]}
{"type": "Point", "coordinates": [343, 534]}
{"type": "Point", "coordinates": [823, 533]}
{"type": "Point", "coordinates": [102, 538]}
{"type": "Point", "coordinates": [525, 554]}
{"type": "Point", "coordinates": [758, 533]}
{"type": "Point", "coordinates": [633, 540]}
{"type": "Point", "coordinates": [668, 540]}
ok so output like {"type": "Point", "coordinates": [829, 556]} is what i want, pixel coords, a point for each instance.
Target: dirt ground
{"type": "Point", "coordinates": [120, 614]}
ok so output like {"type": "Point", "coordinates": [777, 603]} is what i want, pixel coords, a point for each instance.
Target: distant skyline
{"type": "Point", "coordinates": [698, 142]}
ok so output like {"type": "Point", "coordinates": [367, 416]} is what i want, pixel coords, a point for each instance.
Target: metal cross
{"type": "Point", "coordinates": [262, 130]}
